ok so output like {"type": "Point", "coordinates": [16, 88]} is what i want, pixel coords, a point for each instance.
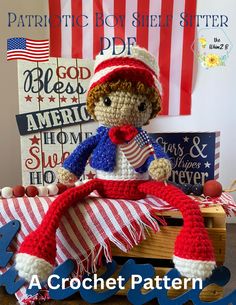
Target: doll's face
{"type": "Point", "coordinates": [120, 108]}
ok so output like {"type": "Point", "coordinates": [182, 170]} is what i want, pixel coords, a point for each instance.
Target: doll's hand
{"type": "Point", "coordinates": [160, 169]}
{"type": "Point", "coordinates": [66, 177]}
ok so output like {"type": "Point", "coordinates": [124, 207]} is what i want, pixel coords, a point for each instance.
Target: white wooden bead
{"type": "Point", "coordinates": [43, 191]}
{"type": "Point", "coordinates": [7, 192]}
{"type": "Point", "coordinates": [52, 189]}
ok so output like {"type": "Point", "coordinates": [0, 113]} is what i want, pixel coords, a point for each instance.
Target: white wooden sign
{"type": "Point", "coordinates": [52, 117]}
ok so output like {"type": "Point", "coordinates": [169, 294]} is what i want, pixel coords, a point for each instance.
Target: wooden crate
{"type": "Point", "coordinates": [158, 248]}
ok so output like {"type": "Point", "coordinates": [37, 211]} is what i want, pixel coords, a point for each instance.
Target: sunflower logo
{"type": "Point", "coordinates": [212, 60]}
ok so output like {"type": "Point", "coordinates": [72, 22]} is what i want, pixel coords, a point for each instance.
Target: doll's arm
{"type": "Point", "coordinates": [74, 166]}
{"type": "Point", "coordinates": [160, 167]}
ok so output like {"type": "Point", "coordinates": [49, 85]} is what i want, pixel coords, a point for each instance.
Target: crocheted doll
{"type": "Point", "coordinates": [124, 95]}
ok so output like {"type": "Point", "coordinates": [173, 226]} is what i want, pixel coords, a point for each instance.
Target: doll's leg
{"type": "Point", "coordinates": [38, 251]}
{"type": "Point", "coordinates": [193, 253]}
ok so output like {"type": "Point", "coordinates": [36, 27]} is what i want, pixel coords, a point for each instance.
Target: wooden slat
{"type": "Point", "coordinates": [210, 293]}
{"type": "Point", "coordinates": [212, 211]}
{"type": "Point", "coordinates": [52, 151]}
{"type": "Point", "coordinates": [28, 162]}
{"type": "Point", "coordinates": [161, 244]}
{"type": "Point", "coordinates": [219, 222]}
{"type": "Point", "coordinates": [214, 216]}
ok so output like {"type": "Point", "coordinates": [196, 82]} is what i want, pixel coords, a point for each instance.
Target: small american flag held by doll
{"type": "Point", "coordinates": [138, 149]}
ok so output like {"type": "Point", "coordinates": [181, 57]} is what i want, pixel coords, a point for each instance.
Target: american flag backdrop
{"type": "Point", "coordinates": [171, 43]}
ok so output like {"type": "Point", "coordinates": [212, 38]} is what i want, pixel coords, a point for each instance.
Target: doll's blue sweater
{"type": "Point", "coordinates": [103, 154]}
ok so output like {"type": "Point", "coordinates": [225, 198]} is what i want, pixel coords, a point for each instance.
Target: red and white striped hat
{"type": "Point", "coordinates": [134, 64]}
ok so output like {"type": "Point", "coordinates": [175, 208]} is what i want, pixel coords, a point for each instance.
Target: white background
{"type": "Point", "coordinates": [214, 98]}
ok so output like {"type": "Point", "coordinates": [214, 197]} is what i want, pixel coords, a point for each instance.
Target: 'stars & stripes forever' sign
{"type": "Point", "coordinates": [195, 156]}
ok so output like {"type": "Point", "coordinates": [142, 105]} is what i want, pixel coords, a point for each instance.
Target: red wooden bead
{"type": "Point", "coordinates": [31, 191]}
{"type": "Point", "coordinates": [18, 191]}
{"type": "Point", "coordinates": [61, 188]}
{"type": "Point", "coordinates": [212, 188]}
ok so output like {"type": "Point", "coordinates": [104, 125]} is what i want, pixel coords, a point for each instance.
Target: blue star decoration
{"type": "Point", "coordinates": [7, 233]}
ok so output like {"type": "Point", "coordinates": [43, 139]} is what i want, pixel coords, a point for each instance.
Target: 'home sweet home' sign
{"type": "Point", "coordinates": [52, 116]}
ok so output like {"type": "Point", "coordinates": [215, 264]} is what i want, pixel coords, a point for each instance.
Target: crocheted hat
{"type": "Point", "coordinates": [134, 64]}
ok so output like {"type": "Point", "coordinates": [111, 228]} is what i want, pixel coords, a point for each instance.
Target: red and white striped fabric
{"type": "Point", "coordinates": [87, 230]}
{"type": "Point", "coordinates": [225, 200]}
{"type": "Point", "coordinates": [166, 39]}
{"type": "Point", "coordinates": [95, 222]}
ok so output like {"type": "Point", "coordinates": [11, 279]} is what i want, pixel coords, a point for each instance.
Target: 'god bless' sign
{"type": "Point", "coordinates": [194, 156]}
{"type": "Point", "coordinates": [53, 119]}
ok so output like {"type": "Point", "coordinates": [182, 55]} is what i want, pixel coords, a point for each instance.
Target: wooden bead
{"type": "Point", "coordinates": [52, 189]}
{"type": "Point", "coordinates": [61, 188]}
{"type": "Point", "coordinates": [31, 191]}
{"type": "Point", "coordinates": [43, 191]}
{"type": "Point", "coordinates": [7, 192]}
{"type": "Point", "coordinates": [18, 191]}
{"type": "Point", "coordinates": [212, 188]}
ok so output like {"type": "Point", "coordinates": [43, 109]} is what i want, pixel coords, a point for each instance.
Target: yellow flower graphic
{"type": "Point", "coordinates": [212, 60]}
{"type": "Point", "coordinates": [203, 42]}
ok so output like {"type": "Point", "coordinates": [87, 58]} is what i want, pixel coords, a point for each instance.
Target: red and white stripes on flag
{"type": "Point", "coordinates": [27, 49]}
{"type": "Point", "coordinates": [138, 150]}
{"type": "Point", "coordinates": [168, 41]}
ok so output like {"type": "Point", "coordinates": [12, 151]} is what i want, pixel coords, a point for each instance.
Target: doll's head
{"type": "Point", "coordinates": [124, 89]}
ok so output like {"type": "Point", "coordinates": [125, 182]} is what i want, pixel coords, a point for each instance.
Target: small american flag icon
{"type": "Point", "coordinates": [138, 149]}
{"type": "Point", "coordinates": [27, 49]}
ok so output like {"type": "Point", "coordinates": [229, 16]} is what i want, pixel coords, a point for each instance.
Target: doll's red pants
{"type": "Point", "coordinates": [193, 252]}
